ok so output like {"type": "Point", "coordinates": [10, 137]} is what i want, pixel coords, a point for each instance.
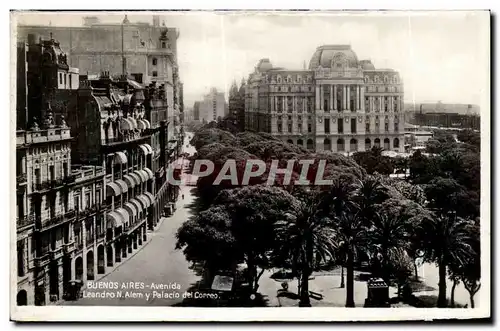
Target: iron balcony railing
{"type": "Point", "coordinates": [26, 220]}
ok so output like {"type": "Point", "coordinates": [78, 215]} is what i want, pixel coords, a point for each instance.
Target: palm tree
{"type": "Point", "coordinates": [447, 239]}
{"type": "Point", "coordinates": [368, 193]}
{"type": "Point", "coordinates": [389, 232]}
{"type": "Point", "coordinates": [306, 240]}
{"type": "Point", "coordinates": [351, 235]}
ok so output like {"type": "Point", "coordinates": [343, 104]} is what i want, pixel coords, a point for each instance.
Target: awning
{"type": "Point", "coordinates": [150, 196]}
{"type": "Point", "coordinates": [144, 201]}
{"type": "Point", "coordinates": [136, 177]}
{"type": "Point", "coordinates": [141, 124]}
{"type": "Point", "coordinates": [131, 209]}
{"type": "Point", "coordinates": [137, 204]}
{"type": "Point", "coordinates": [125, 215]}
{"type": "Point", "coordinates": [144, 149]}
{"type": "Point", "coordinates": [113, 189]}
{"type": "Point", "coordinates": [148, 146]}
{"type": "Point", "coordinates": [142, 174]}
{"type": "Point", "coordinates": [131, 182]}
{"type": "Point", "coordinates": [114, 220]}
{"type": "Point", "coordinates": [149, 172]}
{"type": "Point", "coordinates": [126, 124]}
{"type": "Point", "coordinates": [133, 121]}
{"type": "Point", "coordinates": [122, 184]}
{"type": "Point", "coordinates": [120, 158]}
{"type": "Point", "coordinates": [148, 125]}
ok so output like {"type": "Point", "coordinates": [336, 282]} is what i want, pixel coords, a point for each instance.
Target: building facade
{"type": "Point", "coordinates": [339, 104]}
{"type": "Point", "coordinates": [75, 221]}
{"type": "Point", "coordinates": [213, 107]}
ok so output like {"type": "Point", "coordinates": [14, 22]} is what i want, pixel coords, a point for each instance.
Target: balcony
{"type": "Point", "coordinates": [26, 220]}
{"type": "Point", "coordinates": [57, 220]}
{"type": "Point", "coordinates": [43, 259]}
{"type": "Point", "coordinates": [41, 136]}
{"type": "Point", "coordinates": [69, 247]}
{"type": "Point", "coordinates": [53, 184]}
{"type": "Point", "coordinates": [21, 179]}
{"type": "Point", "coordinates": [90, 241]}
{"type": "Point", "coordinates": [133, 136]}
{"type": "Point", "coordinates": [56, 253]}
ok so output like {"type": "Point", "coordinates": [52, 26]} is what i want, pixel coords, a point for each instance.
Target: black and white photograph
{"type": "Point", "coordinates": [291, 165]}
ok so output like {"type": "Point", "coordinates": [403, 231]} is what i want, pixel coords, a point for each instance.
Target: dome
{"type": "Point", "coordinates": [264, 65]}
{"type": "Point", "coordinates": [367, 65]}
{"type": "Point", "coordinates": [329, 56]}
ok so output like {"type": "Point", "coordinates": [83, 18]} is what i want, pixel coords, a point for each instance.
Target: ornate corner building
{"type": "Point", "coordinates": [92, 159]}
{"type": "Point", "coordinates": [339, 104]}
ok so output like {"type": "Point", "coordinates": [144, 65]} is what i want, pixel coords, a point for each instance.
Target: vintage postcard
{"type": "Point", "coordinates": [288, 165]}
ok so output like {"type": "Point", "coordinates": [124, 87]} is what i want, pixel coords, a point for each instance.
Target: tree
{"type": "Point", "coordinates": [374, 162]}
{"type": "Point", "coordinates": [350, 232]}
{"type": "Point", "coordinates": [446, 239]}
{"type": "Point", "coordinates": [306, 240]}
{"type": "Point", "coordinates": [253, 211]}
{"type": "Point", "coordinates": [471, 270]}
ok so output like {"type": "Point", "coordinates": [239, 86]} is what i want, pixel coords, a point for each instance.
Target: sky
{"type": "Point", "coordinates": [441, 56]}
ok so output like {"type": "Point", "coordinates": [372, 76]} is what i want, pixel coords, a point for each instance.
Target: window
{"type": "Point", "coordinates": [396, 127]}
{"type": "Point", "coordinates": [386, 127]}
{"type": "Point", "coordinates": [163, 44]}
{"type": "Point", "coordinates": [155, 73]}
{"type": "Point", "coordinates": [64, 80]}
{"type": "Point", "coordinates": [155, 61]}
{"type": "Point", "coordinates": [289, 117]}
{"type": "Point", "coordinates": [299, 118]}
{"type": "Point", "coordinates": [367, 104]}
{"type": "Point", "coordinates": [367, 129]}
{"type": "Point", "coordinates": [87, 200]}
{"type": "Point", "coordinates": [289, 127]}
{"type": "Point", "coordinates": [77, 203]}
{"type": "Point", "coordinates": [353, 125]}
{"type": "Point", "coordinates": [309, 127]}
{"type": "Point", "coordinates": [52, 173]}
{"type": "Point", "coordinates": [65, 169]}
{"type": "Point", "coordinates": [327, 125]}
{"type": "Point", "coordinates": [300, 127]}
{"type": "Point", "coordinates": [60, 78]}
{"type": "Point", "coordinates": [340, 125]}
{"type": "Point", "coordinates": [395, 104]}
{"type": "Point", "coordinates": [280, 127]}
{"type": "Point", "coordinates": [386, 107]}
{"type": "Point", "coordinates": [70, 85]}
{"type": "Point", "coordinates": [37, 176]}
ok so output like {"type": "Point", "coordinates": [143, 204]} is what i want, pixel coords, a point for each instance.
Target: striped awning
{"type": "Point", "coordinates": [114, 219]}
{"type": "Point", "coordinates": [149, 172]}
{"type": "Point", "coordinates": [144, 201]}
{"type": "Point", "coordinates": [150, 196]}
{"type": "Point", "coordinates": [122, 184]}
{"type": "Point", "coordinates": [125, 215]}
{"type": "Point", "coordinates": [141, 124]}
{"type": "Point", "coordinates": [120, 158]}
{"type": "Point", "coordinates": [142, 174]}
{"type": "Point", "coordinates": [126, 124]}
{"type": "Point", "coordinates": [136, 177]}
{"type": "Point", "coordinates": [131, 209]}
{"type": "Point", "coordinates": [148, 125]}
{"type": "Point", "coordinates": [137, 204]}
{"type": "Point", "coordinates": [133, 121]}
{"type": "Point", "coordinates": [131, 182]}
{"type": "Point", "coordinates": [150, 149]}
{"type": "Point", "coordinates": [113, 189]}
{"type": "Point", "coordinates": [144, 149]}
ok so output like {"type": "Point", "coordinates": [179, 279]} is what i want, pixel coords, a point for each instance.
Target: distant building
{"type": "Point", "coordinates": [196, 111]}
{"type": "Point", "coordinates": [213, 107]}
{"type": "Point", "coordinates": [339, 104]}
{"type": "Point", "coordinates": [237, 104]}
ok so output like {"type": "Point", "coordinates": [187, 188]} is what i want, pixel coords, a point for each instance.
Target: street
{"type": "Point", "coordinates": [155, 265]}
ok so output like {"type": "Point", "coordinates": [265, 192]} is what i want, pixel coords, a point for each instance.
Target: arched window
{"type": "Point", "coordinates": [300, 142]}
{"type": "Point", "coordinates": [387, 144]}
{"type": "Point", "coordinates": [353, 145]}
{"type": "Point", "coordinates": [290, 141]}
{"type": "Point", "coordinates": [376, 79]}
{"type": "Point", "coordinates": [310, 144]}
{"type": "Point", "coordinates": [396, 143]}
{"type": "Point", "coordinates": [327, 144]}
{"type": "Point", "coordinates": [368, 144]}
{"type": "Point", "coordinates": [377, 142]}
{"type": "Point", "coordinates": [299, 79]}
{"type": "Point", "coordinates": [155, 61]}
{"type": "Point", "coordinates": [340, 145]}
{"type": "Point", "coordinates": [279, 79]}
{"type": "Point", "coordinates": [366, 79]}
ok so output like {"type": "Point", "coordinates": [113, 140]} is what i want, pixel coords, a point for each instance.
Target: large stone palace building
{"type": "Point", "coordinates": [339, 104]}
